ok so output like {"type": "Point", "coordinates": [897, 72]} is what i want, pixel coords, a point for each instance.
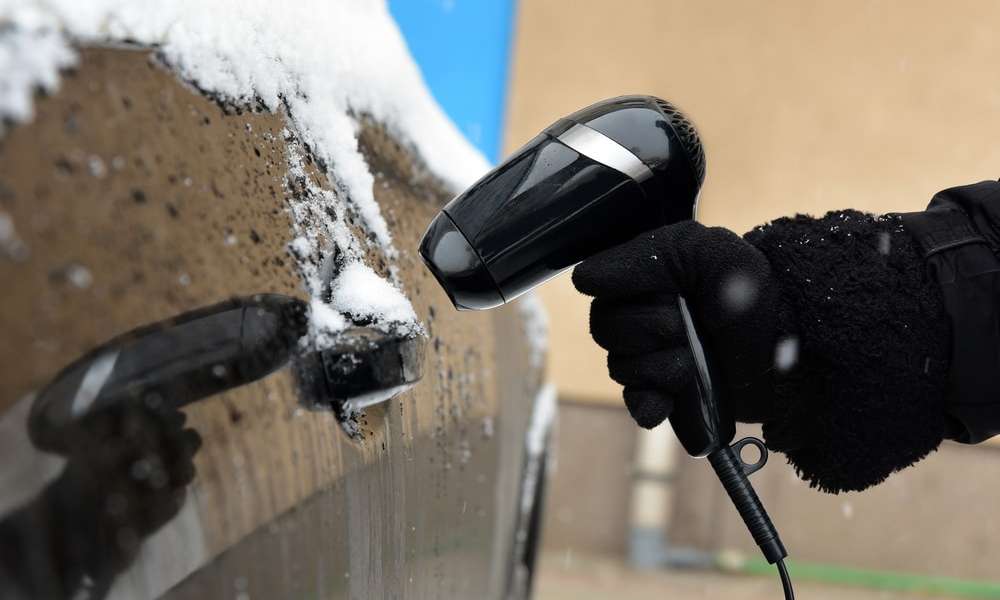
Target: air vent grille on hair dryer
{"type": "Point", "coordinates": [688, 135]}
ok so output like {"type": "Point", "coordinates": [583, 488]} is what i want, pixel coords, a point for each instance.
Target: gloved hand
{"type": "Point", "coordinates": [136, 461]}
{"type": "Point", "coordinates": [635, 315]}
{"type": "Point", "coordinates": [827, 330]}
{"type": "Point", "coordinates": [126, 474]}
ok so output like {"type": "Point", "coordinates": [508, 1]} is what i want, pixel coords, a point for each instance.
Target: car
{"type": "Point", "coordinates": [210, 381]}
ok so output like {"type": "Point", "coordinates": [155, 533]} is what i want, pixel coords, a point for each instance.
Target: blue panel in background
{"type": "Point", "coordinates": [463, 49]}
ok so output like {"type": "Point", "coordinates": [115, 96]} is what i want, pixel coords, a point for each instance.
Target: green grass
{"type": "Point", "coordinates": [882, 580]}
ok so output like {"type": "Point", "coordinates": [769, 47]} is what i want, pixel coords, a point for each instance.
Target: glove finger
{"type": "Point", "coordinates": [667, 370]}
{"type": "Point", "coordinates": [192, 441]}
{"type": "Point", "coordinates": [158, 509]}
{"type": "Point", "coordinates": [181, 474]}
{"type": "Point", "coordinates": [648, 407]}
{"type": "Point", "coordinates": [172, 419]}
{"type": "Point", "coordinates": [635, 267]}
{"type": "Point", "coordinates": [179, 456]}
{"type": "Point", "coordinates": [140, 429]}
{"type": "Point", "coordinates": [636, 326]}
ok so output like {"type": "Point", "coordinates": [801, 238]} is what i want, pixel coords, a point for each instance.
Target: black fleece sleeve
{"type": "Point", "coordinates": [860, 380]}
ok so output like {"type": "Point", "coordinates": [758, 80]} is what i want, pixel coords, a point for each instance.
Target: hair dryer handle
{"type": "Point", "coordinates": [704, 427]}
{"type": "Point", "coordinates": [702, 424]}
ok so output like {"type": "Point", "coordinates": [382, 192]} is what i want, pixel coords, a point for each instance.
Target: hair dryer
{"type": "Point", "coordinates": [588, 182]}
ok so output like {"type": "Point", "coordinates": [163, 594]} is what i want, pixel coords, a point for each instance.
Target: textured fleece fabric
{"type": "Point", "coordinates": [866, 394]}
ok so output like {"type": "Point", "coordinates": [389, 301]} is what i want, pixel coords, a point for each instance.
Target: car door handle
{"type": "Point", "coordinates": [217, 348]}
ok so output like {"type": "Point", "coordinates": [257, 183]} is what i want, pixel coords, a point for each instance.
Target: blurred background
{"type": "Point", "coordinates": [803, 107]}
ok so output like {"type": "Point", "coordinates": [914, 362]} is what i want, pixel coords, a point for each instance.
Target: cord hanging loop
{"type": "Point", "coordinates": [750, 468]}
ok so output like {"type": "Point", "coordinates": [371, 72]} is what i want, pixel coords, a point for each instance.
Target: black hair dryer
{"type": "Point", "coordinates": [590, 181]}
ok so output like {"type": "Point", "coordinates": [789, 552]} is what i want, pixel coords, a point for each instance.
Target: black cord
{"type": "Point", "coordinates": [786, 581]}
{"type": "Point", "coordinates": [732, 474]}
{"type": "Point", "coordinates": [729, 467]}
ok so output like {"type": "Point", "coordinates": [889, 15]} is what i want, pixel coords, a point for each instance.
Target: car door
{"type": "Point", "coordinates": [167, 429]}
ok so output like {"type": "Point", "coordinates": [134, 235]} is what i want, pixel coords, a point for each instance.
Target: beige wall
{"type": "Point", "coordinates": [587, 502]}
{"type": "Point", "coordinates": [803, 107]}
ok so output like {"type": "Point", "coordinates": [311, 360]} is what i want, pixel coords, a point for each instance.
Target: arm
{"type": "Point", "coordinates": [835, 332]}
{"type": "Point", "coordinates": [959, 238]}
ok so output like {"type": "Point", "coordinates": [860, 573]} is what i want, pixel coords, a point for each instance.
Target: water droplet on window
{"type": "Point", "coordinates": [79, 276]}
{"type": "Point", "coordinates": [96, 166]}
{"type": "Point", "coordinates": [884, 243]}
{"type": "Point", "coordinates": [786, 353]}
{"type": "Point", "coordinates": [739, 292]}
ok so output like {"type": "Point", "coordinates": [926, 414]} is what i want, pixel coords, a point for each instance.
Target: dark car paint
{"type": "Point", "coordinates": [283, 504]}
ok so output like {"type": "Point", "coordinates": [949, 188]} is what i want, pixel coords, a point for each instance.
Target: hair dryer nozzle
{"type": "Point", "coordinates": [457, 266]}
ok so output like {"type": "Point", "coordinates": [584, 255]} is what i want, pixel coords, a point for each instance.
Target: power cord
{"type": "Point", "coordinates": [733, 472]}
{"type": "Point", "coordinates": [786, 581]}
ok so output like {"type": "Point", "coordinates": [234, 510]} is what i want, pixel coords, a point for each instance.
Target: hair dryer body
{"type": "Point", "coordinates": [588, 182]}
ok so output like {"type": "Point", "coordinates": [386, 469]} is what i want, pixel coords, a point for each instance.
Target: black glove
{"type": "Point", "coordinates": [635, 316]}
{"type": "Point", "coordinates": [827, 330]}
{"type": "Point", "coordinates": [125, 477]}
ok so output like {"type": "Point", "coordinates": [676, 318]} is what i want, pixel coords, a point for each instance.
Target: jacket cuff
{"type": "Point", "coordinates": [863, 395]}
